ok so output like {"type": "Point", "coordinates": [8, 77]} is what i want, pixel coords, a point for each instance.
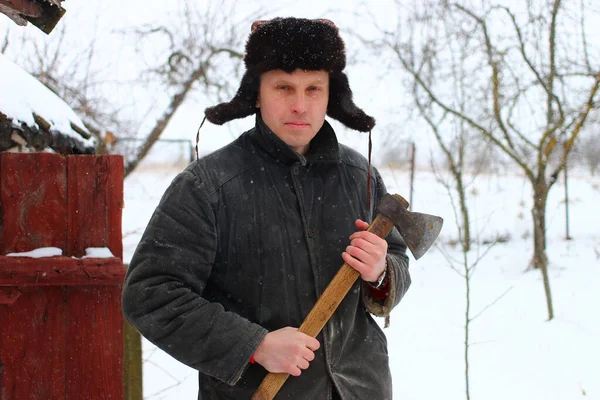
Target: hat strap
{"type": "Point", "coordinates": [198, 136]}
{"type": "Point", "coordinates": [369, 174]}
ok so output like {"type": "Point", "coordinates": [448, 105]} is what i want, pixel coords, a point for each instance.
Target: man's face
{"type": "Point", "coordinates": [294, 105]}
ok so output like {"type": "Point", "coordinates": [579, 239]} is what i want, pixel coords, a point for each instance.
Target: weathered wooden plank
{"type": "Point", "coordinates": [8, 295]}
{"type": "Point", "coordinates": [33, 201]}
{"type": "Point", "coordinates": [60, 271]}
{"type": "Point", "coordinates": [32, 345]}
{"type": "Point", "coordinates": [95, 352]}
{"type": "Point", "coordinates": [115, 205]}
{"type": "Point", "coordinates": [23, 7]}
{"type": "Point", "coordinates": [95, 202]}
{"type": "Point", "coordinates": [94, 361]}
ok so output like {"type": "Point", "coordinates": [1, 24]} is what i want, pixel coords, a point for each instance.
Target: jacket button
{"type": "Point", "coordinates": [310, 232]}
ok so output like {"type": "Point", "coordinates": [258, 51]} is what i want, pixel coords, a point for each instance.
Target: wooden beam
{"type": "Point", "coordinates": [51, 14]}
{"type": "Point", "coordinates": [81, 131]}
{"type": "Point", "coordinates": [25, 8]}
{"type": "Point", "coordinates": [60, 271]}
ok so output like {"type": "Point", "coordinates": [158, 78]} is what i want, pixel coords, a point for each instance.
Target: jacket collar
{"type": "Point", "coordinates": [324, 147]}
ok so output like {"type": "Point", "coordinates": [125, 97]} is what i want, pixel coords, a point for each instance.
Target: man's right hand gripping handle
{"type": "Point", "coordinates": [286, 350]}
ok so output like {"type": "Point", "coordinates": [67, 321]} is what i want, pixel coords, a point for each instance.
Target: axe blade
{"type": "Point", "coordinates": [420, 231]}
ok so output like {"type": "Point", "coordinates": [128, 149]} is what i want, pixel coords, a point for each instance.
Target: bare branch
{"type": "Point", "coordinates": [491, 304]}
{"type": "Point", "coordinates": [161, 124]}
{"type": "Point", "coordinates": [548, 137]}
{"type": "Point", "coordinates": [451, 260]}
{"type": "Point", "coordinates": [495, 78]}
{"type": "Point", "coordinates": [231, 52]}
{"type": "Point", "coordinates": [4, 45]}
{"type": "Point", "coordinates": [164, 370]}
{"type": "Point", "coordinates": [53, 64]}
{"type": "Point", "coordinates": [582, 117]}
{"type": "Point", "coordinates": [552, 66]}
{"type": "Point", "coordinates": [458, 114]}
{"type": "Point", "coordinates": [586, 55]}
{"type": "Point", "coordinates": [576, 75]}
{"type": "Point", "coordinates": [482, 255]}
{"type": "Point", "coordinates": [147, 30]}
{"type": "Point", "coordinates": [530, 64]}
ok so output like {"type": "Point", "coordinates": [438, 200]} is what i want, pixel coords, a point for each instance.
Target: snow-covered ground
{"type": "Point", "coordinates": [514, 352]}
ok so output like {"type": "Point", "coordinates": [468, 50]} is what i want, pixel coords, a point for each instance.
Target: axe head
{"type": "Point", "coordinates": [419, 231]}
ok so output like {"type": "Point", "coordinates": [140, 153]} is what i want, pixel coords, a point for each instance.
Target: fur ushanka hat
{"type": "Point", "coordinates": [289, 44]}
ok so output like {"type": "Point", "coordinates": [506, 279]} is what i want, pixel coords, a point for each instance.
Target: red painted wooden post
{"type": "Point", "coordinates": [60, 318]}
{"type": "Point", "coordinates": [33, 194]}
{"type": "Point", "coordinates": [95, 202]}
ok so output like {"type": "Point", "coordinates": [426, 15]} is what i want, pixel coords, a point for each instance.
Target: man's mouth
{"type": "Point", "coordinates": [297, 124]}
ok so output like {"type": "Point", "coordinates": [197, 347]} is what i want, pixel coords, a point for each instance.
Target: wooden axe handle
{"type": "Point", "coordinates": [323, 309]}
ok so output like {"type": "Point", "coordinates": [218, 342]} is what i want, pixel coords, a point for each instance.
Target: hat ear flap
{"type": "Point", "coordinates": [242, 104]}
{"type": "Point", "coordinates": [341, 106]}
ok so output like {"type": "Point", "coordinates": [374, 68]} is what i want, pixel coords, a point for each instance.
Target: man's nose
{"type": "Point", "coordinates": [298, 105]}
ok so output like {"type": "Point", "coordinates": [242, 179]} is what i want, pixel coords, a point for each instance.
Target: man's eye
{"type": "Point", "coordinates": [283, 87]}
{"type": "Point", "coordinates": [314, 88]}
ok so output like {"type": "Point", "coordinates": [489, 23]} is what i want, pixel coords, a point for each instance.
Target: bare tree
{"type": "Point", "coordinates": [465, 267]}
{"type": "Point", "coordinates": [204, 49]}
{"type": "Point", "coordinates": [532, 82]}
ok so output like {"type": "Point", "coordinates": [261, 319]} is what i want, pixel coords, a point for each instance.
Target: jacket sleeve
{"type": "Point", "coordinates": [397, 266]}
{"type": "Point", "coordinates": [162, 293]}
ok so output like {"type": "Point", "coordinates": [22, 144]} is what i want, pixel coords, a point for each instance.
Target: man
{"type": "Point", "coordinates": [246, 239]}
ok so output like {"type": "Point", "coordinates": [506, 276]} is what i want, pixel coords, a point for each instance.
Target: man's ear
{"type": "Point", "coordinates": [257, 101]}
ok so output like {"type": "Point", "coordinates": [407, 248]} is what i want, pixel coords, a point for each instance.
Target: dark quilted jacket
{"type": "Point", "coordinates": [243, 242]}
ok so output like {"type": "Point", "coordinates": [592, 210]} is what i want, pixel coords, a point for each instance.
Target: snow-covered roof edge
{"type": "Point", "coordinates": [28, 103]}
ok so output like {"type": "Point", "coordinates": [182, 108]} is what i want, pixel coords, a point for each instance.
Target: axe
{"type": "Point", "coordinates": [419, 231]}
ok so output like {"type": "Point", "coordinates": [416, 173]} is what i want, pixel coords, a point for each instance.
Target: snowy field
{"type": "Point", "coordinates": [514, 352]}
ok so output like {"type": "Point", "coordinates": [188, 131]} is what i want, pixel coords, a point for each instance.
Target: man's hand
{"type": "Point", "coordinates": [286, 350]}
{"type": "Point", "coordinates": [366, 253]}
